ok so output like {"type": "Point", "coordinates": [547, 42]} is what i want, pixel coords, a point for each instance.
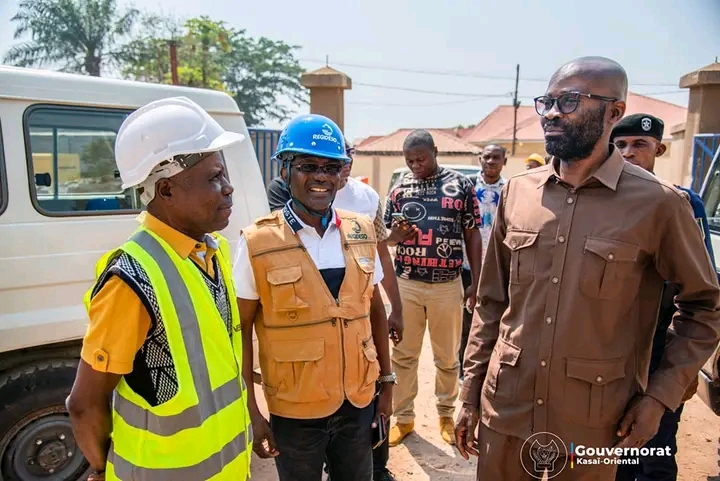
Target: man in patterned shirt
{"type": "Point", "coordinates": [488, 187]}
{"type": "Point", "coordinates": [431, 211]}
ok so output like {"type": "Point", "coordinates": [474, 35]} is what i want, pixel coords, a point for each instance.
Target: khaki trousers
{"type": "Point", "coordinates": [439, 307]}
{"type": "Point", "coordinates": [500, 461]}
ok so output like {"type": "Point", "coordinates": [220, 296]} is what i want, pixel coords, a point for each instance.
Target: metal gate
{"type": "Point", "coordinates": [705, 148]}
{"type": "Point", "coordinates": [264, 142]}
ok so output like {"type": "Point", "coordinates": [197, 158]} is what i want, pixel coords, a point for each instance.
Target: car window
{"type": "Point", "coordinates": [393, 180]}
{"type": "Point", "coordinates": [711, 198]}
{"type": "Point", "coordinates": [3, 179]}
{"type": "Point", "coordinates": [71, 160]}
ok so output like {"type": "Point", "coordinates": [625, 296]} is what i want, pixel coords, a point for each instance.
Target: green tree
{"type": "Point", "coordinates": [259, 72]}
{"type": "Point", "coordinates": [77, 35]}
{"type": "Point", "coordinates": [255, 72]}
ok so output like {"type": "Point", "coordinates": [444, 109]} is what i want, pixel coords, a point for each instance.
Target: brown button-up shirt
{"type": "Point", "coordinates": [568, 302]}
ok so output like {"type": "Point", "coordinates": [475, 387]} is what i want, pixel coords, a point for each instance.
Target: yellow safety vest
{"type": "Point", "coordinates": [203, 432]}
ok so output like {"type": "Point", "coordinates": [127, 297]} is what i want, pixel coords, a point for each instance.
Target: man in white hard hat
{"type": "Point", "coordinates": [164, 334]}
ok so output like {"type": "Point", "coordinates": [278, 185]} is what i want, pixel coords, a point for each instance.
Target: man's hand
{"type": "Point", "coordinates": [402, 232]}
{"type": "Point", "coordinates": [465, 426]}
{"type": "Point", "coordinates": [396, 326]}
{"type": "Point", "coordinates": [263, 439]}
{"type": "Point", "coordinates": [640, 423]}
{"type": "Point", "coordinates": [470, 298]}
{"type": "Point", "coordinates": [384, 404]}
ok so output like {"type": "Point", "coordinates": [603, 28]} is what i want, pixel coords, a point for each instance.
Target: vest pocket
{"type": "Point", "coordinates": [283, 290]}
{"type": "Point", "coordinates": [369, 365]}
{"type": "Point", "coordinates": [367, 266]}
{"type": "Point", "coordinates": [299, 370]}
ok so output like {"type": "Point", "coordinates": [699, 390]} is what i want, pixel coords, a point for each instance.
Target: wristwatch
{"type": "Point", "coordinates": [388, 378]}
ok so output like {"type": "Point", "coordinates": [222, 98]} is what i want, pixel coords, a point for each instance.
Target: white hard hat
{"type": "Point", "coordinates": [163, 129]}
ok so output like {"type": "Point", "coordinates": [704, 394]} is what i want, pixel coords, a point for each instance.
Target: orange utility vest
{"type": "Point", "coordinates": [315, 351]}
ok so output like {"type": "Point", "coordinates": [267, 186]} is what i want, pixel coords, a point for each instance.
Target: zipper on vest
{"type": "Point", "coordinates": [347, 245]}
{"type": "Point", "coordinates": [279, 249]}
{"type": "Point", "coordinates": [331, 320]}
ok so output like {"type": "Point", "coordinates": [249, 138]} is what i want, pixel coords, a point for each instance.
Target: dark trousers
{"type": "Point", "coordinates": [380, 455]}
{"type": "Point", "coordinates": [466, 321]}
{"type": "Point", "coordinates": [656, 468]}
{"type": "Point", "coordinates": [343, 440]}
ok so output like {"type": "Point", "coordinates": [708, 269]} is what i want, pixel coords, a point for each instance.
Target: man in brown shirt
{"type": "Point", "coordinates": [568, 296]}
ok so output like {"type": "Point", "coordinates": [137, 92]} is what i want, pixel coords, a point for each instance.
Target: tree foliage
{"type": "Point", "coordinates": [79, 36]}
{"type": "Point", "coordinates": [210, 54]}
{"type": "Point", "coordinates": [92, 36]}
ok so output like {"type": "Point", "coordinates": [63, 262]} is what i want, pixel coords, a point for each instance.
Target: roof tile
{"type": "Point", "coordinates": [444, 141]}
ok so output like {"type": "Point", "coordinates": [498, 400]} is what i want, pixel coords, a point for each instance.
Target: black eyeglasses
{"type": "Point", "coordinates": [331, 169]}
{"type": "Point", "coordinates": [567, 103]}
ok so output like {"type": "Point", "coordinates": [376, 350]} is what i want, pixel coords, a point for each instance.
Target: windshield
{"type": "Point", "coordinates": [711, 197]}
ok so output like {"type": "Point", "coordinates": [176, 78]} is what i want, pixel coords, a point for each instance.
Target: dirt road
{"type": "Point", "coordinates": [424, 456]}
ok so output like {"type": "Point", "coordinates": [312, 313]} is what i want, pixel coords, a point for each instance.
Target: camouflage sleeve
{"type": "Point", "coordinates": [379, 224]}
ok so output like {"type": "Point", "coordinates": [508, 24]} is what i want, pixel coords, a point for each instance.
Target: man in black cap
{"type": "Point", "coordinates": [639, 139]}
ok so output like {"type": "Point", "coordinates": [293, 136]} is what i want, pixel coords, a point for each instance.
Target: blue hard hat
{"type": "Point", "coordinates": [312, 134]}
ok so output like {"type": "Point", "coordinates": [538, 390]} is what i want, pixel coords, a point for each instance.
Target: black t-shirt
{"type": "Point", "coordinates": [442, 206]}
{"type": "Point", "coordinates": [277, 194]}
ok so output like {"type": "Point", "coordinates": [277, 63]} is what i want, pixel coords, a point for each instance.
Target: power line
{"type": "Point", "coordinates": [466, 94]}
{"type": "Point", "coordinates": [480, 97]}
{"type": "Point", "coordinates": [453, 102]}
{"type": "Point", "coordinates": [456, 73]}
{"type": "Point", "coordinates": [435, 92]}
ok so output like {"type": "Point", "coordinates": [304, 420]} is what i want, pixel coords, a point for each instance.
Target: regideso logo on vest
{"type": "Point", "coordinates": [357, 233]}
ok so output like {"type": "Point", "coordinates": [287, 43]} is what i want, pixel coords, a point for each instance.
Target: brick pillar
{"type": "Point", "coordinates": [703, 108]}
{"type": "Point", "coordinates": [327, 93]}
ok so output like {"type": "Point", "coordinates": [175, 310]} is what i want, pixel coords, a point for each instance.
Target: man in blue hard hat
{"type": "Point", "coordinates": [356, 196]}
{"type": "Point", "coordinates": [638, 137]}
{"type": "Point", "coordinates": [307, 279]}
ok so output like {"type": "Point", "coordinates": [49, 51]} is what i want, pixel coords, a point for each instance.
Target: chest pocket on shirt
{"type": "Point", "coordinates": [523, 247]}
{"type": "Point", "coordinates": [607, 267]}
{"type": "Point", "coordinates": [283, 290]}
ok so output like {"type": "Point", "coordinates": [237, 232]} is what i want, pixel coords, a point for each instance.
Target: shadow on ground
{"type": "Point", "coordinates": [438, 464]}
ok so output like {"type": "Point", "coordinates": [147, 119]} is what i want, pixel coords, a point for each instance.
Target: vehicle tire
{"type": "Point", "coordinates": [36, 440]}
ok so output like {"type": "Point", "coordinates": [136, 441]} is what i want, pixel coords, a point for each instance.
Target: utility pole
{"type": "Point", "coordinates": [516, 105]}
{"type": "Point", "coordinates": [173, 62]}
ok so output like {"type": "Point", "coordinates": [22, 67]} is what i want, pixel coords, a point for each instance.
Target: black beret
{"type": "Point", "coordinates": [639, 125]}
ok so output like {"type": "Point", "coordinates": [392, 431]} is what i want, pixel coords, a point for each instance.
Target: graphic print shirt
{"type": "Point", "coordinates": [442, 207]}
{"type": "Point", "coordinates": [488, 196]}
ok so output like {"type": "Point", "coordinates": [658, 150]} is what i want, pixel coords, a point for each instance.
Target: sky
{"type": "Point", "coordinates": [382, 44]}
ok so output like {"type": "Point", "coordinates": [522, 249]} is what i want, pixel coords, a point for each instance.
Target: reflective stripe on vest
{"type": "Point", "coordinates": [209, 402]}
{"type": "Point", "coordinates": [203, 470]}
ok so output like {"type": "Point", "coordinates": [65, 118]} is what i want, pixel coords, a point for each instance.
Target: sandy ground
{"type": "Point", "coordinates": [424, 456]}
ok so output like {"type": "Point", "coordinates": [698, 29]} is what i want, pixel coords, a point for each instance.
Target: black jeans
{"type": "Point", "coordinates": [381, 454]}
{"type": "Point", "coordinates": [656, 468]}
{"type": "Point", "coordinates": [466, 321]}
{"type": "Point", "coordinates": [343, 440]}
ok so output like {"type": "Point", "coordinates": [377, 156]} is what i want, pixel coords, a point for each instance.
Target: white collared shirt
{"type": "Point", "coordinates": [326, 252]}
